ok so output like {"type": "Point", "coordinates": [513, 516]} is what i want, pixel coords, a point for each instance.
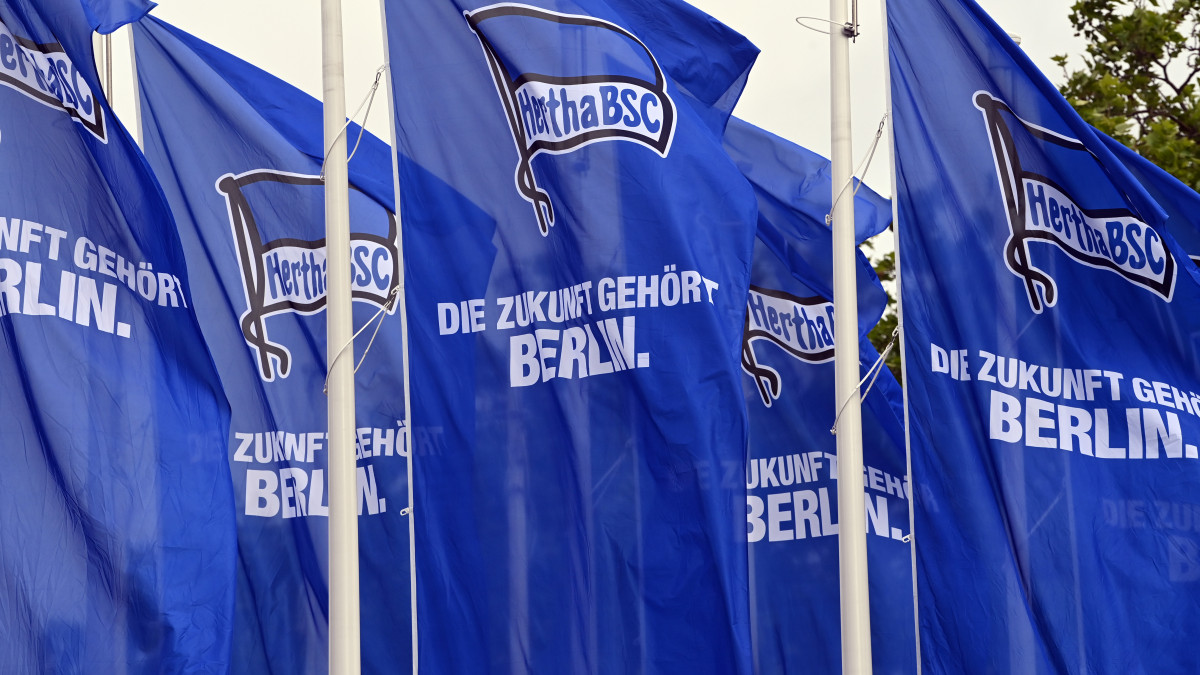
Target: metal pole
{"type": "Point", "coordinates": [896, 227]}
{"type": "Point", "coordinates": [108, 68]}
{"type": "Point", "coordinates": [406, 371]}
{"type": "Point", "coordinates": [137, 90]}
{"type": "Point", "coordinates": [344, 647]}
{"type": "Point", "coordinates": [852, 539]}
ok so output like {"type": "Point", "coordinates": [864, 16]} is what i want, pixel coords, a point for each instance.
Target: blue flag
{"type": "Point", "coordinates": [117, 547]}
{"type": "Point", "coordinates": [1051, 370]}
{"type": "Point", "coordinates": [580, 250]}
{"type": "Point", "coordinates": [240, 156]}
{"type": "Point", "coordinates": [106, 16]}
{"type": "Point", "coordinates": [794, 190]}
{"type": "Point", "coordinates": [792, 490]}
{"type": "Point", "coordinates": [787, 362]}
{"type": "Point", "coordinates": [792, 179]}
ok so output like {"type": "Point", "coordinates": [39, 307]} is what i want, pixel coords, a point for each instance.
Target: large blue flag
{"type": "Point", "coordinates": [787, 362]}
{"type": "Point", "coordinates": [1051, 370]}
{"type": "Point", "coordinates": [117, 543]}
{"type": "Point", "coordinates": [240, 154]}
{"type": "Point", "coordinates": [580, 252]}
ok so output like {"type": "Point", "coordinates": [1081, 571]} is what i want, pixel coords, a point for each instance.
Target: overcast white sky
{"type": "Point", "coordinates": [787, 92]}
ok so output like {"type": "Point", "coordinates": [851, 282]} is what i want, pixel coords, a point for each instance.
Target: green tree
{"type": "Point", "coordinates": [1139, 77]}
{"type": "Point", "coordinates": [881, 334]}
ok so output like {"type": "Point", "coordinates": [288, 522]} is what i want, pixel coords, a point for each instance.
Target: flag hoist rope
{"type": "Point", "coordinates": [852, 539]}
{"type": "Point", "coordinates": [344, 642]}
{"type": "Point", "coordinates": [367, 102]}
{"type": "Point", "coordinates": [874, 370]}
{"type": "Point", "coordinates": [860, 171]}
{"type": "Point", "coordinates": [872, 374]}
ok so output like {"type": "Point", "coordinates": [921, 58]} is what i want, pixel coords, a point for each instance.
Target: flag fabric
{"type": "Point", "coordinates": [788, 379]}
{"type": "Point", "coordinates": [117, 548]}
{"type": "Point", "coordinates": [792, 492]}
{"type": "Point", "coordinates": [1180, 202]}
{"type": "Point", "coordinates": [1051, 370]}
{"type": "Point", "coordinates": [239, 153]}
{"type": "Point", "coordinates": [106, 16]}
{"type": "Point", "coordinates": [793, 187]}
{"type": "Point", "coordinates": [799, 181]}
{"type": "Point", "coordinates": [580, 249]}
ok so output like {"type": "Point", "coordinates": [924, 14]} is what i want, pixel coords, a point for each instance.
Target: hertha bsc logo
{"type": "Point", "coordinates": [46, 75]}
{"type": "Point", "coordinates": [287, 273]}
{"type": "Point", "coordinates": [1105, 235]}
{"type": "Point", "coordinates": [567, 81]}
{"type": "Point", "coordinates": [802, 327]}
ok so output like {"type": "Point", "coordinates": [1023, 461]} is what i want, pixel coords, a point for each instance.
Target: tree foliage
{"type": "Point", "coordinates": [881, 334]}
{"type": "Point", "coordinates": [1139, 78]}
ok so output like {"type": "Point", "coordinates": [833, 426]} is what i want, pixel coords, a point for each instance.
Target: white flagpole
{"type": "Point", "coordinates": [106, 40]}
{"type": "Point", "coordinates": [102, 55]}
{"type": "Point", "coordinates": [852, 539]}
{"type": "Point", "coordinates": [403, 310]}
{"type": "Point", "coordinates": [136, 88]}
{"type": "Point", "coordinates": [344, 647]}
